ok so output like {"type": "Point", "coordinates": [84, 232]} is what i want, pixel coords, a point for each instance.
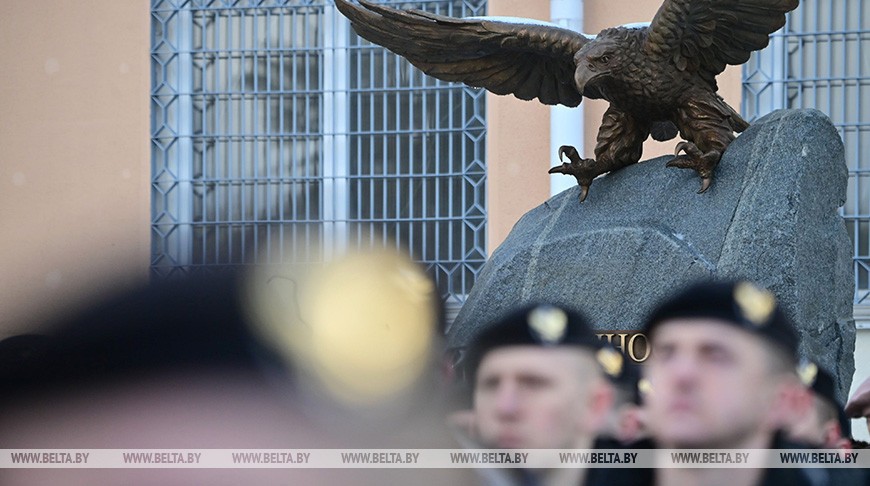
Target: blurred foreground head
{"type": "Point", "coordinates": [333, 357]}
{"type": "Point", "coordinates": [721, 369]}
{"type": "Point", "coordinates": [360, 331]}
{"type": "Point", "coordinates": [537, 380]}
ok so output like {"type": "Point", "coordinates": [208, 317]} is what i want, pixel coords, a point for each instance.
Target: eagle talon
{"type": "Point", "coordinates": [571, 152]}
{"type": "Point", "coordinates": [679, 148]}
{"type": "Point", "coordinates": [584, 170]}
{"type": "Point", "coordinates": [702, 163]}
{"type": "Point", "coordinates": [690, 149]}
{"type": "Point", "coordinates": [560, 169]}
{"type": "Point", "coordinates": [680, 162]}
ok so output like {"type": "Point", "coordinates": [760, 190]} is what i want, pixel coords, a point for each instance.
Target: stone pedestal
{"type": "Point", "coordinates": [770, 216]}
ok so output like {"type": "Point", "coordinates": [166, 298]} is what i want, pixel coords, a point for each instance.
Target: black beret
{"type": "Point", "coordinates": [192, 322]}
{"type": "Point", "coordinates": [739, 303]}
{"type": "Point", "coordinates": [542, 324]}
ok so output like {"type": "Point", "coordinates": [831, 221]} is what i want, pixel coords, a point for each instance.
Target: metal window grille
{"type": "Point", "coordinates": [274, 124]}
{"type": "Point", "coordinates": [821, 59]}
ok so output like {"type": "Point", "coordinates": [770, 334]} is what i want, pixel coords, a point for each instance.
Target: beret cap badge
{"type": "Point", "coordinates": [756, 305]}
{"type": "Point", "coordinates": [548, 324]}
{"type": "Point", "coordinates": [611, 361]}
{"type": "Point", "coordinates": [807, 372]}
{"type": "Point", "coordinates": [644, 386]}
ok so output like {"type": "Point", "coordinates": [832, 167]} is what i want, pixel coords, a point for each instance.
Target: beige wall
{"type": "Point", "coordinates": [74, 152]}
{"type": "Point", "coordinates": [517, 144]}
{"type": "Point", "coordinates": [518, 132]}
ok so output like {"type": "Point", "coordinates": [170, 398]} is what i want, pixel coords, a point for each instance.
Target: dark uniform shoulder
{"type": "Point", "coordinates": [625, 476]}
{"type": "Point", "coordinates": [809, 475]}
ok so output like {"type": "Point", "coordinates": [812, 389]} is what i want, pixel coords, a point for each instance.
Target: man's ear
{"type": "Point", "coordinates": [833, 436]}
{"type": "Point", "coordinates": [599, 404]}
{"type": "Point", "coordinates": [792, 402]}
{"type": "Point", "coordinates": [631, 424]}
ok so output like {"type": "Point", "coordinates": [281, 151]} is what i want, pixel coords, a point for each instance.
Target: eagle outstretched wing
{"type": "Point", "coordinates": [527, 60]}
{"type": "Point", "coordinates": [704, 35]}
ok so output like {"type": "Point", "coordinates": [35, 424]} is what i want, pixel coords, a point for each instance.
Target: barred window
{"type": "Point", "coordinates": [277, 133]}
{"type": "Point", "coordinates": [821, 59]}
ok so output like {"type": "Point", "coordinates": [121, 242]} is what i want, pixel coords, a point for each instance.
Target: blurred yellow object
{"type": "Point", "coordinates": [363, 325]}
{"type": "Point", "coordinates": [611, 361]}
{"type": "Point", "coordinates": [756, 304]}
{"type": "Point", "coordinates": [549, 323]}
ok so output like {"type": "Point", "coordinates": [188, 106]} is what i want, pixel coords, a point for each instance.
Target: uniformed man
{"type": "Point", "coordinates": [824, 424]}
{"type": "Point", "coordinates": [537, 383]}
{"type": "Point", "coordinates": [626, 422]}
{"type": "Point", "coordinates": [721, 370]}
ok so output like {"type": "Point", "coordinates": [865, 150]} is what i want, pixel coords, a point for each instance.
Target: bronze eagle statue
{"type": "Point", "coordinates": [660, 79]}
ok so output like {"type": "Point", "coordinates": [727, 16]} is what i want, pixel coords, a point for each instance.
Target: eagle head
{"type": "Point", "coordinates": [596, 64]}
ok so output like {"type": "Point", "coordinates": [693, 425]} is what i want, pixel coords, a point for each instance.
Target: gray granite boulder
{"type": "Point", "coordinates": [643, 232]}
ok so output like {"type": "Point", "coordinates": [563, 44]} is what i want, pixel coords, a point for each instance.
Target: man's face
{"type": "Point", "coordinates": [533, 397]}
{"type": "Point", "coordinates": [712, 385]}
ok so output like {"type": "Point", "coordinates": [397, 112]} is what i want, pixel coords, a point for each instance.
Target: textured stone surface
{"type": "Point", "coordinates": [643, 232]}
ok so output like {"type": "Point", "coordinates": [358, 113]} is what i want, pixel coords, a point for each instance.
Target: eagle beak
{"type": "Point", "coordinates": [582, 76]}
